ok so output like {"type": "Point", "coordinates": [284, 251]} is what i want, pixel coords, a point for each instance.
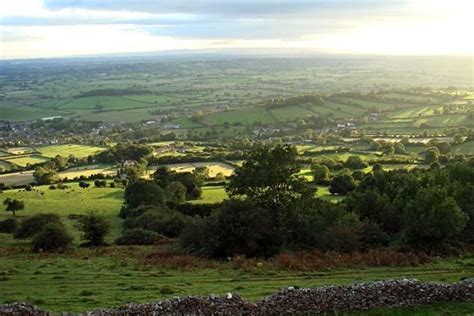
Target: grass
{"type": "Point", "coordinates": [212, 195]}
{"type": "Point", "coordinates": [27, 160]}
{"type": "Point", "coordinates": [17, 178]}
{"type": "Point", "coordinates": [466, 148]}
{"type": "Point", "coordinates": [245, 116]}
{"type": "Point", "coordinates": [79, 151]}
{"type": "Point", "coordinates": [20, 150]}
{"type": "Point", "coordinates": [91, 279]}
{"type": "Point", "coordinates": [87, 171]}
{"type": "Point", "coordinates": [75, 200]}
{"type": "Point", "coordinates": [25, 113]}
{"type": "Point", "coordinates": [214, 167]}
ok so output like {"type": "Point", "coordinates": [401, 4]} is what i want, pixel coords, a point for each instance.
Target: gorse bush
{"type": "Point", "coordinates": [161, 220]}
{"type": "Point", "coordinates": [52, 238]}
{"type": "Point", "coordinates": [33, 225]}
{"type": "Point", "coordinates": [138, 236]}
{"type": "Point", "coordinates": [8, 225]}
{"type": "Point", "coordinates": [94, 229]}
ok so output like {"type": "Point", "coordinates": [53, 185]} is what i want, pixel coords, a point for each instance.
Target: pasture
{"type": "Point", "coordinates": [74, 200]}
{"type": "Point", "coordinates": [214, 168]}
{"type": "Point", "coordinates": [79, 151]}
{"type": "Point", "coordinates": [26, 160]}
{"type": "Point", "coordinates": [91, 279]}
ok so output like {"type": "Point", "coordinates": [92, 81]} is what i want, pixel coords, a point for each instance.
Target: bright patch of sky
{"type": "Point", "coordinates": [50, 28]}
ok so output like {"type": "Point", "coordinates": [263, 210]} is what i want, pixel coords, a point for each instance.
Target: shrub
{"type": "Point", "coordinates": [94, 228]}
{"type": "Point", "coordinates": [163, 221]}
{"type": "Point", "coordinates": [167, 290]}
{"type": "Point", "coordinates": [52, 187]}
{"type": "Point", "coordinates": [355, 162]}
{"type": "Point", "coordinates": [342, 185]}
{"type": "Point", "coordinates": [100, 183]}
{"type": "Point", "coordinates": [84, 184]}
{"type": "Point", "coordinates": [201, 209]}
{"type": "Point", "coordinates": [238, 228]}
{"type": "Point", "coordinates": [52, 238]}
{"type": "Point", "coordinates": [138, 236]}
{"type": "Point", "coordinates": [33, 225]}
{"type": "Point", "coordinates": [8, 226]}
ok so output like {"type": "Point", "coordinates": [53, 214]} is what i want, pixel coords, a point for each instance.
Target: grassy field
{"type": "Point", "coordinates": [70, 201]}
{"type": "Point", "coordinates": [214, 167]}
{"type": "Point", "coordinates": [79, 151]}
{"type": "Point", "coordinates": [90, 279]}
{"type": "Point", "coordinates": [246, 116]}
{"type": "Point", "coordinates": [87, 171]}
{"type": "Point", "coordinates": [212, 195]}
{"type": "Point", "coordinates": [17, 178]}
{"type": "Point", "coordinates": [466, 148]}
{"type": "Point", "coordinates": [25, 160]}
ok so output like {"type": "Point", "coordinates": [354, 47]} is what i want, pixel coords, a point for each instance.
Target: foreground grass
{"type": "Point", "coordinates": [90, 279]}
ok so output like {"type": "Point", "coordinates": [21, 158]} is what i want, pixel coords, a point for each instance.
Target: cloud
{"type": "Point", "coordinates": [228, 8]}
{"type": "Point", "coordinates": [32, 28]}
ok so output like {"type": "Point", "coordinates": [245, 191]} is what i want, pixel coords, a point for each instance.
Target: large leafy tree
{"type": "Point", "coordinates": [270, 177]}
{"type": "Point", "coordinates": [433, 217]}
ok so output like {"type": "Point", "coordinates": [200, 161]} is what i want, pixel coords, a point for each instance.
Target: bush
{"type": "Point", "coordinates": [162, 221]}
{"type": "Point", "coordinates": [52, 187]}
{"type": "Point", "coordinates": [342, 185]}
{"type": "Point", "coordinates": [8, 226]}
{"type": "Point", "coordinates": [238, 228]}
{"type": "Point", "coordinates": [94, 228]}
{"type": "Point", "coordinates": [52, 238]}
{"type": "Point", "coordinates": [33, 225]}
{"type": "Point", "coordinates": [355, 162]}
{"type": "Point", "coordinates": [201, 209]}
{"type": "Point", "coordinates": [138, 236]}
{"type": "Point", "coordinates": [84, 184]}
{"type": "Point", "coordinates": [100, 183]}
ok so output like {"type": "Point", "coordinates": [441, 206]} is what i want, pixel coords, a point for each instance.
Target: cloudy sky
{"type": "Point", "coordinates": [50, 28]}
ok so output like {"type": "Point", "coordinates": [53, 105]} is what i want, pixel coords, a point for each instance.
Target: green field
{"type": "Point", "coordinates": [80, 151]}
{"type": "Point", "coordinates": [89, 279]}
{"type": "Point", "coordinates": [246, 116]}
{"type": "Point", "coordinates": [70, 201]}
{"type": "Point", "coordinates": [25, 160]}
{"type": "Point", "coordinates": [466, 148]}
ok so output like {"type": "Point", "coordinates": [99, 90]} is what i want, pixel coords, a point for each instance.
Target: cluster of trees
{"type": "Point", "coordinates": [272, 209]}
{"type": "Point", "coordinates": [150, 210]}
{"type": "Point", "coordinates": [124, 151]}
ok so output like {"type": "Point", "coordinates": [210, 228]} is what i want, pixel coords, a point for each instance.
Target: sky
{"type": "Point", "coordinates": [59, 28]}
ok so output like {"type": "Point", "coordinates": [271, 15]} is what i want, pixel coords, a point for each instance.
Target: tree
{"type": "Point", "coordinates": [355, 162]}
{"type": "Point", "coordinates": [432, 155]}
{"type": "Point", "coordinates": [270, 177]}
{"type": "Point", "coordinates": [84, 184]}
{"type": "Point", "coordinates": [432, 217]}
{"type": "Point", "coordinates": [176, 193]}
{"type": "Point", "coordinates": [399, 148]}
{"type": "Point", "coordinates": [142, 192]}
{"type": "Point", "coordinates": [201, 173]}
{"type": "Point", "coordinates": [94, 228]}
{"type": "Point", "coordinates": [100, 183]}
{"type": "Point", "coordinates": [342, 185]}
{"type": "Point", "coordinates": [45, 176]}
{"type": "Point", "coordinates": [52, 238]}
{"type": "Point", "coordinates": [240, 228]}
{"type": "Point", "coordinates": [13, 205]}
{"type": "Point", "coordinates": [320, 173]}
